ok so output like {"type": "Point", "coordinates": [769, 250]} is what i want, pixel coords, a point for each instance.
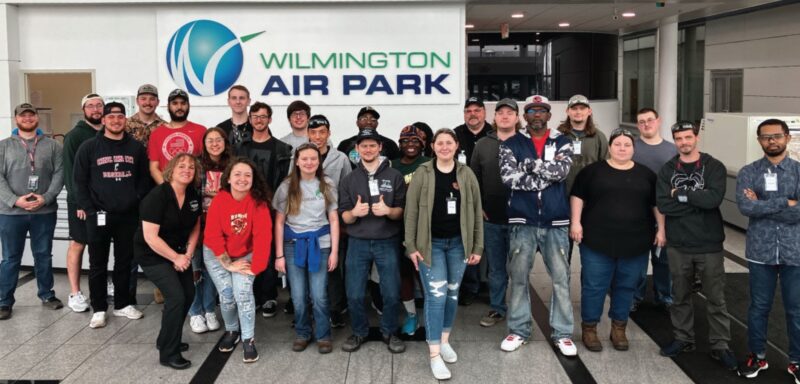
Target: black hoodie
{"type": "Point", "coordinates": [391, 186]}
{"type": "Point", "coordinates": [111, 175]}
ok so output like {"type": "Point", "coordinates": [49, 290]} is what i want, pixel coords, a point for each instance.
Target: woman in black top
{"type": "Point", "coordinates": [164, 245]}
{"type": "Point", "coordinates": [614, 201]}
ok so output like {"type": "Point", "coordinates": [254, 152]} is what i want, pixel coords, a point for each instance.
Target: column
{"type": "Point", "coordinates": [9, 67]}
{"type": "Point", "coordinates": [667, 75]}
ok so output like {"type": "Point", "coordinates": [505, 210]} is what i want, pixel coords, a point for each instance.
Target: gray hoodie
{"type": "Point", "coordinates": [336, 165]}
{"type": "Point", "coordinates": [16, 169]}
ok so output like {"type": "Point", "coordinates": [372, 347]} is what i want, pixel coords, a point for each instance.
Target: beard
{"type": "Point", "coordinates": [775, 152]}
{"type": "Point", "coordinates": [177, 118]}
{"type": "Point", "coordinates": [92, 120]}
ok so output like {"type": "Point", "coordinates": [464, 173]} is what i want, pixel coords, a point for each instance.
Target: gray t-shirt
{"type": "Point", "coordinates": [653, 156]}
{"type": "Point", "coordinates": [294, 141]}
{"type": "Point", "coordinates": [313, 213]}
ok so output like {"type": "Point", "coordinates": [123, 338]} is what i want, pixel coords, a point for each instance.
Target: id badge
{"type": "Point", "coordinates": [549, 152]}
{"type": "Point", "coordinates": [33, 182]}
{"type": "Point", "coordinates": [576, 147]}
{"type": "Point", "coordinates": [373, 188]}
{"type": "Point", "coordinates": [771, 182]}
{"type": "Point", "coordinates": [462, 158]}
{"type": "Point", "coordinates": [451, 205]}
{"type": "Point", "coordinates": [101, 219]}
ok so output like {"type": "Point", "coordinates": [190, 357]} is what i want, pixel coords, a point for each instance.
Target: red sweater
{"type": "Point", "coordinates": [239, 228]}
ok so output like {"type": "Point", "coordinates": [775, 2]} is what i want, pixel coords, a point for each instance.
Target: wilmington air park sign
{"type": "Point", "coordinates": [328, 56]}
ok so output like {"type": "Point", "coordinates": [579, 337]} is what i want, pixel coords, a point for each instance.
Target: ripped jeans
{"type": "Point", "coordinates": [440, 283]}
{"type": "Point", "coordinates": [237, 303]}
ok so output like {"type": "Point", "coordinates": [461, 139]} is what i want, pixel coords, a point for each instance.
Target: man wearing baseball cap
{"type": "Point", "coordinates": [145, 120]}
{"type": "Point", "coordinates": [178, 136]}
{"type": "Point", "coordinates": [92, 106]}
{"type": "Point", "coordinates": [534, 165]}
{"type": "Point", "coordinates": [32, 177]}
{"type": "Point", "coordinates": [367, 118]}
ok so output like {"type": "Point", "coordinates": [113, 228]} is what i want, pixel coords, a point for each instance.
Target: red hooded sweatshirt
{"type": "Point", "coordinates": [239, 228]}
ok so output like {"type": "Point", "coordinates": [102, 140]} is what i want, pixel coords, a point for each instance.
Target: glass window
{"type": "Point", "coordinates": [638, 75]}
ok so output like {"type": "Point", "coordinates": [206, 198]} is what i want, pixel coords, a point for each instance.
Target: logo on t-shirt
{"type": "Point", "coordinates": [238, 223]}
{"type": "Point", "coordinates": [176, 143]}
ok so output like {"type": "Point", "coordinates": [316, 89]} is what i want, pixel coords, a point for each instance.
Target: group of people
{"type": "Point", "coordinates": [218, 214]}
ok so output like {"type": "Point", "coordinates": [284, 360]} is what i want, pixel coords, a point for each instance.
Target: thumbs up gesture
{"type": "Point", "coordinates": [380, 208]}
{"type": "Point", "coordinates": [361, 209]}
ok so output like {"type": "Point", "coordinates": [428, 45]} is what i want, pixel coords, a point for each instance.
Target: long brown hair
{"type": "Point", "coordinates": [224, 157]}
{"type": "Point", "coordinates": [294, 197]}
{"type": "Point", "coordinates": [566, 127]}
{"type": "Point", "coordinates": [258, 191]}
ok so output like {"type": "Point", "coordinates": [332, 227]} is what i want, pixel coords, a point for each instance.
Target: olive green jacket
{"type": "Point", "coordinates": [593, 149]}
{"type": "Point", "coordinates": [419, 207]}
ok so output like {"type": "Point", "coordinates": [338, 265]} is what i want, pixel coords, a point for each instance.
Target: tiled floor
{"type": "Point", "coordinates": [41, 344]}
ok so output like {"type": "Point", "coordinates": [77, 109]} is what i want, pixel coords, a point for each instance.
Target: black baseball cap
{"type": "Point", "coordinates": [113, 107]}
{"type": "Point", "coordinates": [684, 125]}
{"type": "Point", "coordinates": [474, 100]}
{"type": "Point", "coordinates": [368, 134]}
{"type": "Point", "coordinates": [368, 109]}
{"type": "Point", "coordinates": [507, 103]}
{"type": "Point", "coordinates": [176, 93]}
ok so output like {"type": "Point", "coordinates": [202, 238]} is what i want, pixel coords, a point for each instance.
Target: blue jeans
{"type": "Point", "coordinates": [495, 240]}
{"type": "Point", "coordinates": [360, 255]}
{"type": "Point", "coordinates": [440, 283]}
{"type": "Point", "coordinates": [662, 280]}
{"type": "Point", "coordinates": [553, 244]}
{"type": "Point", "coordinates": [304, 284]}
{"type": "Point", "coordinates": [237, 303]}
{"type": "Point", "coordinates": [599, 273]}
{"type": "Point", "coordinates": [205, 293]}
{"type": "Point", "coordinates": [13, 230]}
{"type": "Point", "coordinates": [763, 281]}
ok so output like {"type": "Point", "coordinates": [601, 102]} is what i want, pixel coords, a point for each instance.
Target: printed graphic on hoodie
{"type": "Point", "coordinates": [238, 223]}
{"type": "Point", "coordinates": [116, 174]}
{"type": "Point", "coordinates": [692, 181]}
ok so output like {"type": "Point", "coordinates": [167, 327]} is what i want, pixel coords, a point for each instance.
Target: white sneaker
{"type": "Point", "coordinates": [512, 342]}
{"type": "Point", "coordinates": [567, 347]}
{"type": "Point", "coordinates": [98, 320]}
{"type": "Point", "coordinates": [110, 288]}
{"type": "Point", "coordinates": [448, 354]}
{"type": "Point", "coordinates": [198, 324]}
{"type": "Point", "coordinates": [439, 369]}
{"type": "Point", "coordinates": [130, 312]}
{"type": "Point", "coordinates": [211, 321]}
{"type": "Point", "coordinates": [77, 302]}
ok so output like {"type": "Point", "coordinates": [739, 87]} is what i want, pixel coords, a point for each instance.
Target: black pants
{"type": "Point", "coordinates": [178, 290]}
{"type": "Point", "coordinates": [337, 297]}
{"type": "Point", "coordinates": [120, 228]}
{"type": "Point", "coordinates": [265, 285]}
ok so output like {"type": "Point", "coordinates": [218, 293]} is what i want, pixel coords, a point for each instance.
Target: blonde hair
{"type": "Point", "coordinates": [167, 174]}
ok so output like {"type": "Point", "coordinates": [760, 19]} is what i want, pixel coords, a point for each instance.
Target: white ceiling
{"type": "Point", "coordinates": [592, 16]}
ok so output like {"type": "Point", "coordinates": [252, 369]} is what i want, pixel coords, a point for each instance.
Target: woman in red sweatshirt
{"type": "Point", "coordinates": [236, 248]}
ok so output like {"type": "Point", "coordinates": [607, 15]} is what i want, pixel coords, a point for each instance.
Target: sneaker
{"type": "Point", "coordinates": [410, 325]}
{"type": "Point", "coordinates": [98, 320]}
{"type": "Point", "coordinates": [211, 321]}
{"type": "Point", "coordinates": [794, 370]}
{"type": "Point", "coordinates": [53, 303]}
{"type": "Point", "coordinates": [491, 318]}
{"type": "Point", "coordinates": [439, 369]}
{"type": "Point", "coordinates": [229, 341]}
{"type": "Point", "coordinates": [676, 348]}
{"type": "Point", "coordinates": [566, 347]}
{"type": "Point", "coordinates": [752, 366]}
{"type": "Point", "coordinates": [289, 307]}
{"type": "Point", "coordinates": [250, 353]}
{"type": "Point", "coordinates": [512, 342]}
{"type": "Point", "coordinates": [269, 309]}
{"type": "Point", "coordinates": [158, 297]}
{"type": "Point", "coordinates": [77, 302]}
{"type": "Point", "coordinates": [447, 353]}
{"type": "Point", "coordinates": [5, 312]}
{"type": "Point", "coordinates": [353, 343]}
{"type": "Point", "coordinates": [337, 319]}
{"type": "Point", "coordinates": [130, 312]}
{"type": "Point", "coordinates": [198, 324]}
{"type": "Point", "coordinates": [725, 357]}
{"type": "Point", "coordinates": [109, 288]}
{"type": "Point", "coordinates": [394, 344]}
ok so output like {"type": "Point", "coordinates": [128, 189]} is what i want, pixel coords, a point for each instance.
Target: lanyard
{"type": "Point", "coordinates": [31, 151]}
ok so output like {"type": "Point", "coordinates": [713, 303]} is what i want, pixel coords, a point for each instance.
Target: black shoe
{"type": "Point", "coordinates": [752, 366]}
{"type": "Point", "coordinates": [177, 363]}
{"type": "Point", "coordinates": [250, 353]}
{"type": "Point", "coordinates": [676, 348]}
{"type": "Point", "coordinates": [53, 303]}
{"type": "Point", "coordinates": [466, 298]}
{"type": "Point", "coordinates": [635, 306]}
{"type": "Point", "coordinates": [353, 343]}
{"type": "Point", "coordinates": [725, 357]}
{"type": "Point", "coordinates": [289, 308]}
{"type": "Point", "coordinates": [269, 309]}
{"type": "Point", "coordinates": [229, 341]}
{"type": "Point", "coordinates": [337, 319]}
{"type": "Point", "coordinates": [184, 347]}
{"type": "Point", "coordinates": [5, 312]}
{"type": "Point", "coordinates": [394, 344]}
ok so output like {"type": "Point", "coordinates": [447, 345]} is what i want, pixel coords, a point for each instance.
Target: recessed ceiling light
{"type": "Point", "coordinates": [517, 15]}
{"type": "Point", "coordinates": [469, 26]}
{"type": "Point", "coordinates": [628, 14]}
{"type": "Point", "coordinates": [563, 25]}
{"type": "Point", "coordinates": [475, 40]}
{"type": "Point", "coordinates": [538, 33]}
{"type": "Point", "coordinates": [537, 40]}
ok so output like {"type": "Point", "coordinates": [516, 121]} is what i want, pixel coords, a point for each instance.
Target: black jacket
{"type": "Point", "coordinates": [274, 166]}
{"type": "Point", "coordinates": [391, 186]}
{"type": "Point", "coordinates": [485, 163]}
{"type": "Point", "coordinates": [111, 175]}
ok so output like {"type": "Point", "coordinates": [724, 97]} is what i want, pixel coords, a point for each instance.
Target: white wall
{"type": "Point", "coordinates": [763, 44]}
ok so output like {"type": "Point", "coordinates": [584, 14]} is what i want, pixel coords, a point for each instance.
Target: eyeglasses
{"type": "Point", "coordinates": [93, 106]}
{"type": "Point", "coordinates": [534, 111]}
{"type": "Point", "coordinates": [259, 117]}
{"type": "Point", "coordinates": [644, 122]}
{"type": "Point", "coordinates": [367, 119]}
{"type": "Point", "coordinates": [774, 137]}
{"type": "Point", "coordinates": [299, 114]}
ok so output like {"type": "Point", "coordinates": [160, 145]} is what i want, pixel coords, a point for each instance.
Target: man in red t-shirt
{"type": "Point", "coordinates": [177, 136]}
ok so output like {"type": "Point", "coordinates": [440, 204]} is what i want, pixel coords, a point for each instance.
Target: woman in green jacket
{"type": "Point", "coordinates": [443, 233]}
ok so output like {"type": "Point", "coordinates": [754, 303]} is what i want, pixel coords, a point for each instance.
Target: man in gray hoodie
{"type": "Point", "coordinates": [31, 176]}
